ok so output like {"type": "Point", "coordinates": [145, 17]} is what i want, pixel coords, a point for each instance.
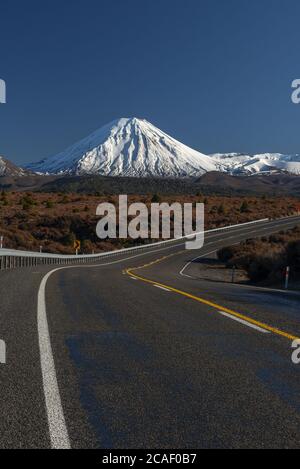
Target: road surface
{"type": "Point", "coordinates": [139, 352]}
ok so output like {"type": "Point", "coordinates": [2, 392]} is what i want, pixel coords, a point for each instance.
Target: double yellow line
{"type": "Point", "coordinates": [215, 306]}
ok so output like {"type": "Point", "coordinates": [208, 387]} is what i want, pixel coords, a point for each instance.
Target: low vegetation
{"type": "Point", "coordinates": [53, 221]}
{"type": "Point", "coordinates": [265, 260]}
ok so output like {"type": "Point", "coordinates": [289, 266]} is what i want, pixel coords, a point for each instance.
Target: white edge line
{"type": "Point", "coordinates": [56, 421]}
{"type": "Point", "coordinates": [193, 260]}
{"type": "Point", "coordinates": [242, 321]}
{"type": "Point", "coordinates": [162, 288]}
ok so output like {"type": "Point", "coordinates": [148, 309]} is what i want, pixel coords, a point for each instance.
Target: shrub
{"type": "Point", "coordinates": [69, 239]}
{"type": "Point", "coordinates": [221, 209]}
{"type": "Point", "coordinates": [225, 254]}
{"type": "Point", "coordinates": [293, 255]}
{"type": "Point", "coordinates": [156, 199]}
{"type": "Point", "coordinates": [64, 200]}
{"type": "Point", "coordinates": [27, 202]}
{"type": "Point", "coordinates": [244, 208]}
{"type": "Point", "coordinates": [260, 268]}
{"type": "Point", "coordinates": [49, 204]}
{"type": "Point", "coordinates": [26, 206]}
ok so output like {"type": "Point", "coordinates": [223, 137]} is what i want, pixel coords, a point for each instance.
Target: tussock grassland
{"type": "Point", "coordinates": [54, 220]}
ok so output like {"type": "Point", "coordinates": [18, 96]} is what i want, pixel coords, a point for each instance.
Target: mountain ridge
{"type": "Point", "coordinates": [132, 147]}
{"type": "Point", "coordinates": [7, 168]}
{"type": "Point", "coordinates": [257, 163]}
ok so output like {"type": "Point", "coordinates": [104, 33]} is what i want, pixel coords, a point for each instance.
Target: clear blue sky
{"type": "Point", "coordinates": [215, 74]}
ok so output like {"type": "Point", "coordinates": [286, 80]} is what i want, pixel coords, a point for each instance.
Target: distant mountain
{"type": "Point", "coordinates": [135, 148]}
{"type": "Point", "coordinates": [128, 147]}
{"type": "Point", "coordinates": [7, 168]}
{"type": "Point", "coordinates": [264, 163]}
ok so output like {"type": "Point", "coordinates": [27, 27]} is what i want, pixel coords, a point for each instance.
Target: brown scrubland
{"type": "Point", "coordinates": [30, 220]}
{"type": "Point", "coordinates": [265, 260]}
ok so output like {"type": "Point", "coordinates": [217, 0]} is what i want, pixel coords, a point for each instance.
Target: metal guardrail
{"type": "Point", "coordinates": [13, 259]}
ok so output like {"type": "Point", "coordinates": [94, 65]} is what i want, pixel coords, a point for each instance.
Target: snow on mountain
{"type": "Point", "coordinates": [9, 169]}
{"type": "Point", "coordinates": [128, 147]}
{"type": "Point", "coordinates": [264, 163]}
{"type": "Point", "coordinates": [134, 147]}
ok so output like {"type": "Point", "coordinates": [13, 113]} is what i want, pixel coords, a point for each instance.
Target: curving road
{"type": "Point", "coordinates": [140, 352]}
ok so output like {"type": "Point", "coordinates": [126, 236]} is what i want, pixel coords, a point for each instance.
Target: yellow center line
{"type": "Point", "coordinates": [213, 305]}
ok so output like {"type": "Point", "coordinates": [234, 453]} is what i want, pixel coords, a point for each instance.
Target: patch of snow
{"type": "Point", "coordinates": [239, 163]}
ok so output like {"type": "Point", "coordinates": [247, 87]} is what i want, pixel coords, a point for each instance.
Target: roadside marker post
{"type": "Point", "coordinates": [1, 242]}
{"type": "Point", "coordinates": [287, 277]}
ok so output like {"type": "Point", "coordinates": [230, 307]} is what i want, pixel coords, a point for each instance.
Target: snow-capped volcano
{"type": "Point", "coordinates": [128, 147]}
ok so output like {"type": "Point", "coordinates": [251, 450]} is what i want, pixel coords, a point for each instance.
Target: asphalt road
{"type": "Point", "coordinates": [150, 357]}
